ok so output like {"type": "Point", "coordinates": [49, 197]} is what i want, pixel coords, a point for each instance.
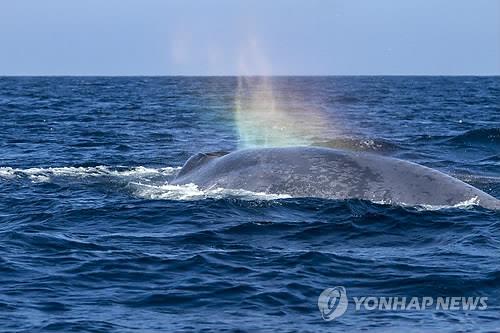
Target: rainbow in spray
{"type": "Point", "coordinates": [262, 118]}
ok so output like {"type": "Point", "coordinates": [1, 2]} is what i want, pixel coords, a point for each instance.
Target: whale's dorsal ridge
{"type": "Point", "coordinates": [319, 172]}
{"type": "Point", "coordinates": [198, 160]}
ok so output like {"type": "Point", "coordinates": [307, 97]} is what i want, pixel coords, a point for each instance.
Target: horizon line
{"type": "Point", "coordinates": [251, 75]}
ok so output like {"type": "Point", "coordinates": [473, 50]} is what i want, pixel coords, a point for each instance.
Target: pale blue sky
{"type": "Point", "coordinates": [232, 37]}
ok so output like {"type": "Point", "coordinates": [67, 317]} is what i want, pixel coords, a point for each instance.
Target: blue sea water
{"type": "Point", "coordinates": [94, 239]}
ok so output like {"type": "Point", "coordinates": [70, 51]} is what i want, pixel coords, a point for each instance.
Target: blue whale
{"type": "Point", "coordinates": [329, 173]}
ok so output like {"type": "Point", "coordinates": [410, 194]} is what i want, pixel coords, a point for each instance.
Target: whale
{"type": "Point", "coordinates": [319, 172]}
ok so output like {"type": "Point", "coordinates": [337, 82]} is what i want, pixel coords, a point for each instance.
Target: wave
{"type": "Point", "coordinates": [48, 174]}
{"type": "Point", "coordinates": [467, 204]}
{"type": "Point", "coordinates": [482, 135]}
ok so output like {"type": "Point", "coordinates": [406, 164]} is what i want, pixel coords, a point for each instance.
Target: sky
{"type": "Point", "coordinates": [250, 37]}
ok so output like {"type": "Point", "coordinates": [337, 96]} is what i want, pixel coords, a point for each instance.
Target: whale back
{"type": "Point", "coordinates": [329, 173]}
{"type": "Point", "coordinates": [198, 160]}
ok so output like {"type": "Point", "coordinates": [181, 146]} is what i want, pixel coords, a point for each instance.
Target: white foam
{"type": "Point", "coordinates": [142, 181]}
{"type": "Point", "coordinates": [192, 192]}
{"type": "Point", "coordinates": [467, 204]}
{"type": "Point", "coordinates": [46, 174]}
{"type": "Point", "coordinates": [7, 173]}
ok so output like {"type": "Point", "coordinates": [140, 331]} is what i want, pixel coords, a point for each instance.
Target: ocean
{"type": "Point", "coordinates": [94, 239]}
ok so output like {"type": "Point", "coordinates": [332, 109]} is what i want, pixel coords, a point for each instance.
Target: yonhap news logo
{"type": "Point", "coordinates": [333, 303]}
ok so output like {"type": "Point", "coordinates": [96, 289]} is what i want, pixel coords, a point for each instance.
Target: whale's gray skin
{"type": "Point", "coordinates": [329, 173]}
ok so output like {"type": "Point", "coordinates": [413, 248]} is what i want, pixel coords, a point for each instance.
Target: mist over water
{"type": "Point", "coordinates": [270, 117]}
{"type": "Point", "coordinates": [265, 119]}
